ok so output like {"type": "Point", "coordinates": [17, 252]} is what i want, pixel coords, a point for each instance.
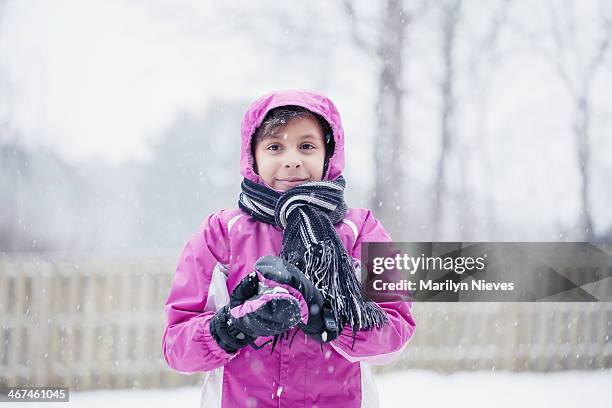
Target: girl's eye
{"type": "Point", "coordinates": [273, 147]}
{"type": "Point", "coordinates": [308, 146]}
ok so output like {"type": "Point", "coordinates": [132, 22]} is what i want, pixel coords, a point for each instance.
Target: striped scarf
{"type": "Point", "coordinates": [306, 214]}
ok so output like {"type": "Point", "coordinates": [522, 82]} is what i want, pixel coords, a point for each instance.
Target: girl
{"type": "Point", "coordinates": [284, 269]}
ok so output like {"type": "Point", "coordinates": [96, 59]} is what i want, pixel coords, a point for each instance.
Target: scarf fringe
{"type": "Point", "coordinates": [338, 283]}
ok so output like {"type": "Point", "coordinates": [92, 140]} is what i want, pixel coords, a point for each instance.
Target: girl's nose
{"type": "Point", "coordinates": [293, 163]}
{"type": "Point", "coordinates": [293, 160]}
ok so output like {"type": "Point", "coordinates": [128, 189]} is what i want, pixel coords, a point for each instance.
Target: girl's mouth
{"type": "Point", "coordinates": [291, 182]}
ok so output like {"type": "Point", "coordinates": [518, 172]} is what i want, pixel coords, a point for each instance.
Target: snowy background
{"type": "Point", "coordinates": [409, 389]}
{"type": "Point", "coordinates": [119, 120]}
{"type": "Point", "coordinates": [119, 134]}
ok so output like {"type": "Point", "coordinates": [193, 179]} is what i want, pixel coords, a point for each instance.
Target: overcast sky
{"type": "Point", "coordinates": [101, 78]}
{"type": "Point", "coordinates": [95, 79]}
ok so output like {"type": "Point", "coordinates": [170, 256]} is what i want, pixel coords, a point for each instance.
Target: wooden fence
{"type": "Point", "coordinates": [98, 323]}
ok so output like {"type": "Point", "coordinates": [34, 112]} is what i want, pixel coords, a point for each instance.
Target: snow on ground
{"type": "Point", "coordinates": [500, 389]}
{"type": "Point", "coordinates": [592, 389]}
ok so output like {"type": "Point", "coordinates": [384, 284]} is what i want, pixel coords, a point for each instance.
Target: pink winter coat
{"type": "Point", "coordinates": [222, 252]}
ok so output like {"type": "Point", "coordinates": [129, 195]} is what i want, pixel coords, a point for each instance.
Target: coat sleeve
{"type": "Point", "coordinates": [198, 290]}
{"type": "Point", "coordinates": [377, 345]}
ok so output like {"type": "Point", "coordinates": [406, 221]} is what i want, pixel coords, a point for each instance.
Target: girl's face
{"type": "Point", "coordinates": [293, 155]}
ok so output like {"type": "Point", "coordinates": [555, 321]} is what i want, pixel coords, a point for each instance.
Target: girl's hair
{"type": "Point", "coordinates": [277, 118]}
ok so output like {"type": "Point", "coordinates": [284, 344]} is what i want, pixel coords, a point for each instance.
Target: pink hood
{"type": "Point", "coordinates": [310, 100]}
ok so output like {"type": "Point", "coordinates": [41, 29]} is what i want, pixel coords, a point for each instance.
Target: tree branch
{"type": "Point", "coordinates": [360, 42]}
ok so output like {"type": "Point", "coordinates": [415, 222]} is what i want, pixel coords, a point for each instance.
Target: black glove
{"type": "Point", "coordinates": [321, 323]}
{"type": "Point", "coordinates": [251, 314]}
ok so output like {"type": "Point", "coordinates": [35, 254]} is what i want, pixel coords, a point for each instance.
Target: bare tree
{"type": "Point", "coordinates": [451, 14]}
{"type": "Point", "coordinates": [484, 59]}
{"type": "Point", "coordinates": [577, 68]}
{"type": "Point", "coordinates": [389, 146]}
{"type": "Point", "coordinates": [389, 52]}
{"type": "Point", "coordinates": [294, 31]}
